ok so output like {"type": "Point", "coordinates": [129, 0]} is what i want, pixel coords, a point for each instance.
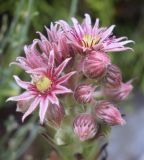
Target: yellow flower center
{"type": "Point", "coordinates": [43, 84]}
{"type": "Point", "coordinates": [89, 40]}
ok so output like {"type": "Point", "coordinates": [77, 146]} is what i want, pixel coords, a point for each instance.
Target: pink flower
{"type": "Point", "coordinates": [85, 126]}
{"type": "Point", "coordinates": [38, 52]}
{"type": "Point", "coordinates": [120, 93]}
{"type": "Point", "coordinates": [57, 41]}
{"type": "Point", "coordinates": [95, 64]}
{"type": "Point", "coordinates": [33, 58]}
{"type": "Point", "coordinates": [107, 112]}
{"type": "Point", "coordinates": [84, 93]}
{"type": "Point", "coordinates": [86, 37]}
{"type": "Point", "coordinates": [45, 85]}
{"type": "Point", "coordinates": [55, 114]}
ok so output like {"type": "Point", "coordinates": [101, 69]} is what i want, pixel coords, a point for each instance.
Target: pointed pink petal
{"type": "Point", "coordinates": [31, 108]}
{"type": "Point", "coordinates": [60, 68]}
{"type": "Point", "coordinates": [26, 50]}
{"type": "Point", "coordinates": [51, 59]}
{"type": "Point", "coordinates": [107, 33]}
{"type": "Point", "coordinates": [43, 108]}
{"type": "Point", "coordinates": [118, 44]}
{"type": "Point", "coordinates": [53, 99]}
{"type": "Point", "coordinates": [61, 90]}
{"type": "Point", "coordinates": [96, 23]}
{"type": "Point", "coordinates": [87, 19]}
{"type": "Point", "coordinates": [40, 70]}
{"type": "Point", "coordinates": [24, 96]}
{"type": "Point", "coordinates": [64, 25]}
{"type": "Point", "coordinates": [75, 21]}
{"type": "Point", "coordinates": [65, 77]}
{"type": "Point", "coordinates": [43, 38]}
{"type": "Point", "coordinates": [119, 49]}
{"type": "Point", "coordinates": [21, 83]}
{"type": "Point", "coordinates": [21, 65]}
{"type": "Point", "coordinates": [120, 39]}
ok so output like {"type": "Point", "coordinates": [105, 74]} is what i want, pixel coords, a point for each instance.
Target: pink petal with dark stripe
{"type": "Point", "coordinates": [61, 90]}
{"type": "Point", "coordinates": [43, 108]}
{"type": "Point", "coordinates": [24, 96]}
{"type": "Point", "coordinates": [60, 68]}
{"type": "Point", "coordinates": [21, 83]}
{"type": "Point", "coordinates": [31, 108]}
{"type": "Point", "coordinates": [65, 77]}
{"type": "Point", "coordinates": [53, 99]}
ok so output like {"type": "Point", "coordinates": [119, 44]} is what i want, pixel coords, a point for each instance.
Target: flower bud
{"type": "Point", "coordinates": [95, 64]}
{"type": "Point", "coordinates": [119, 93]}
{"type": "Point", "coordinates": [84, 93]}
{"type": "Point", "coordinates": [55, 114]}
{"type": "Point", "coordinates": [23, 105]}
{"type": "Point", "coordinates": [85, 126]}
{"type": "Point", "coordinates": [113, 77]}
{"type": "Point", "coordinates": [107, 112]}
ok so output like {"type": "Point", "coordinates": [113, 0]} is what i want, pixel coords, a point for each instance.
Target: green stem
{"type": "Point", "coordinates": [73, 8]}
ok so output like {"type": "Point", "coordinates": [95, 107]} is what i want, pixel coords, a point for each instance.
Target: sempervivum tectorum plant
{"type": "Point", "coordinates": [45, 85]}
{"type": "Point", "coordinates": [87, 37]}
{"type": "Point", "coordinates": [51, 62]}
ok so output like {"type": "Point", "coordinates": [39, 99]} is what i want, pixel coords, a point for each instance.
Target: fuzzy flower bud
{"type": "Point", "coordinates": [84, 126]}
{"type": "Point", "coordinates": [119, 93]}
{"type": "Point", "coordinates": [113, 77]}
{"type": "Point", "coordinates": [84, 93]}
{"type": "Point", "coordinates": [107, 112]}
{"type": "Point", "coordinates": [55, 114]}
{"type": "Point", "coordinates": [95, 64]}
{"type": "Point", "coordinates": [23, 105]}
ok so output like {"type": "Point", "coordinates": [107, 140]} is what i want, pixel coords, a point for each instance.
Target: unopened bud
{"type": "Point", "coordinates": [119, 93]}
{"type": "Point", "coordinates": [55, 114]}
{"type": "Point", "coordinates": [107, 112]}
{"type": "Point", "coordinates": [85, 126]}
{"type": "Point", "coordinates": [113, 77]}
{"type": "Point", "coordinates": [95, 64]}
{"type": "Point", "coordinates": [23, 105]}
{"type": "Point", "coordinates": [84, 93]}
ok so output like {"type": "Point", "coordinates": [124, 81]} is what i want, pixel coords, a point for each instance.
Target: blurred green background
{"type": "Point", "coordinates": [19, 21]}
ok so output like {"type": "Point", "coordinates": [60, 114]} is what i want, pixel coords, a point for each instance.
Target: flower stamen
{"type": "Point", "coordinates": [89, 40]}
{"type": "Point", "coordinates": [43, 84]}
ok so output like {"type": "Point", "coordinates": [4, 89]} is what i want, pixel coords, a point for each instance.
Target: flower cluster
{"type": "Point", "coordinates": [74, 60]}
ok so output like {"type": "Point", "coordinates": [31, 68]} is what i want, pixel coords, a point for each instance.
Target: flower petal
{"type": "Point", "coordinates": [21, 83]}
{"type": "Point", "coordinates": [107, 33]}
{"type": "Point", "coordinates": [39, 70]}
{"type": "Point", "coordinates": [61, 90]}
{"type": "Point", "coordinates": [60, 68]}
{"type": "Point", "coordinates": [24, 96]}
{"type": "Point", "coordinates": [65, 77]}
{"type": "Point", "coordinates": [43, 108]}
{"type": "Point", "coordinates": [32, 107]}
{"type": "Point", "coordinates": [53, 99]}
{"type": "Point", "coordinates": [51, 59]}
